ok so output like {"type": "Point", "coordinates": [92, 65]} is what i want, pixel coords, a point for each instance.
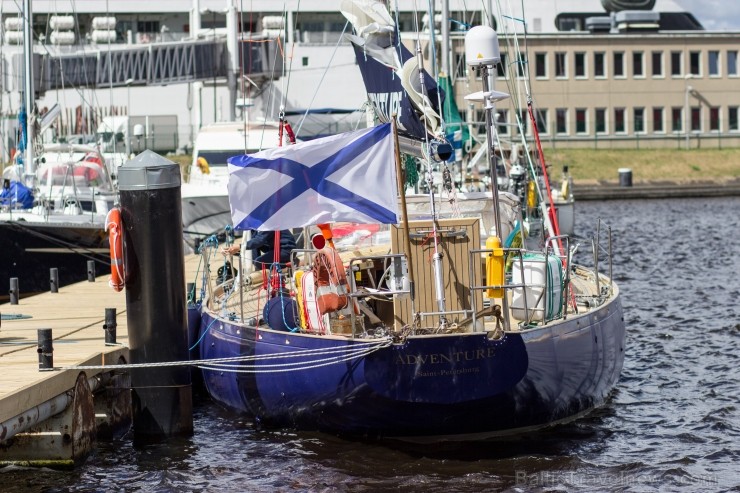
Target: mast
{"type": "Point", "coordinates": [28, 161]}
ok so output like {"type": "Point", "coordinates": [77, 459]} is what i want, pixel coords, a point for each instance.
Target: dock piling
{"type": "Point", "coordinates": [151, 215]}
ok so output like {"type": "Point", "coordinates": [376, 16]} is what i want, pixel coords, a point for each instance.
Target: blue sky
{"type": "Point", "coordinates": [714, 14]}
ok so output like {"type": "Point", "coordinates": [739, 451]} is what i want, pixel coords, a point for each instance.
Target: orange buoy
{"type": "Point", "coordinates": [330, 280]}
{"type": "Point", "coordinates": [115, 239]}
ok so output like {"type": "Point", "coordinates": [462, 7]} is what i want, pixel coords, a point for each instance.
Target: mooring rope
{"type": "Point", "coordinates": [325, 357]}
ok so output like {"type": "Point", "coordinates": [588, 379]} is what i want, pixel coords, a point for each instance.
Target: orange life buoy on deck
{"type": "Point", "coordinates": [330, 280]}
{"type": "Point", "coordinates": [115, 239]}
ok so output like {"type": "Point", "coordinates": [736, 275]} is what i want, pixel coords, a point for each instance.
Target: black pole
{"type": "Point", "coordinates": [110, 326]}
{"type": "Point", "coordinates": [90, 271]}
{"type": "Point", "coordinates": [45, 350]}
{"type": "Point", "coordinates": [151, 214]}
{"type": "Point", "coordinates": [54, 279]}
{"type": "Point", "coordinates": [13, 291]}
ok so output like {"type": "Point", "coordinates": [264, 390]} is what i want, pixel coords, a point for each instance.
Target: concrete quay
{"type": "Point", "coordinates": [655, 190]}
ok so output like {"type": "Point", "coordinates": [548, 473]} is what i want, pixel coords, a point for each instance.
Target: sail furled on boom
{"type": "Point", "coordinates": [391, 73]}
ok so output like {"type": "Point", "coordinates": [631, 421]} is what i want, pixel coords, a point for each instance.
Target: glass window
{"type": "Point", "coordinates": [639, 114]}
{"type": "Point", "coordinates": [600, 114]}
{"type": "Point", "coordinates": [541, 119]}
{"type": "Point", "coordinates": [523, 121]}
{"type": "Point", "coordinates": [677, 119]}
{"type": "Point", "coordinates": [732, 120]}
{"type": "Point", "coordinates": [581, 127]}
{"type": "Point", "coordinates": [696, 119]}
{"type": "Point", "coordinates": [657, 60]}
{"type": "Point", "coordinates": [714, 63]}
{"type": "Point", "coordinates": [618, 64]}
{"type": "Point", "coordinates": [638, 68]}
{"type": "Point", "coordinates": [521, 65]}
{"type": "Point", "coordinates": [501, 67]}
{"type": "Point", "coordinates": [580, 59]}
{"type": "Point", "coordinates": [695, 62]}
{"type": "Point", "coordinates": [619, 123]}
{"type": "Point", "coordinates": [540, 62]}
{"type": "Point", "coordinates": [714, 119]}
{"type": "Point", "coordinates": [658, 120]}
{"type": "Point", "coordinates": [561, 64]}
{"type": "Point", "coordinates": [732, 63]}
{"type": "Point", "coordinates": [502, 120]}
{"type": "Point", "coordinates": [599, 65]}
{"type": "Point", "coordinates": [561, 117]}
{"type": "Point", "coordinates": [676, 65]}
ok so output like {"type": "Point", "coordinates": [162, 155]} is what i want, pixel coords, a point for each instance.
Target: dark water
{"type": "Point", "coordinates": [673, 423]}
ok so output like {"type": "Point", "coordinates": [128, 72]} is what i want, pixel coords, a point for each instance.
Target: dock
{"type": "Point", "coordinates": [655, 190]}
{"type": "Point", "coordinates": [76, 315]}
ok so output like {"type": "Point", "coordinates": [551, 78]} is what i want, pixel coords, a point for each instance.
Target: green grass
{"type": "Point", "coordinates": [647, 165]}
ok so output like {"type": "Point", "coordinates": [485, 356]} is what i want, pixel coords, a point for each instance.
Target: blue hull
{"type": "Point", "coordinates": [461, 385]}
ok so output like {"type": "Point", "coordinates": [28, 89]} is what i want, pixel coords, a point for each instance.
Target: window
{"type": "Point", "coordinates": [599, 65]}
{"type": "Point", "coordinates": [657, 59]}
{"type": "Point", "coordinates": [658, 120]}
{"type": "Point", "coordinates": [600, 114]}
{"type": "Point", "coordinates": [676, 65]}
{"type": "Point", "coordinates": [580, 59]}
{"type": "Point", "coordinates": [540, 63]}
{"type": "Point", "coordinates": [732, 118]}
{"type": "Point", "coordinates": [677, 119]}
{"type": "Point", "coordinates": [714, 64]}
{"type": "Point", "coordinates": [696, 119]}
{"type": "Point", "coordinates": [521, 65]}
{"type": "Point", "coordinates": [460, 65]}
{"type": "Point", "coordinates": [618, 64]}
{"type": "Point", "coordinates": [502, 120]}
{"type": "Point", "coordinates": [561, 65]}
{"type": "Point", "coordinates": [581, 121]}
{"type": "Point", "coordinates": [561, 123]}
{"type": "Point", "coordinates": [732, 63]}
{"type": "Point", "coordinates": [638, 64]}
{"type": "Point", "coordinates": [501, 67]}
{"type": "Point", "coordinates": [541, 119]}
{"type": "Point", "coordinates": [695, 62]}
{"type": "Point", "coordinates": [523, 121]}
{"type": "Point", "coordinates": [639, 114]}
{"type": "Point", "coordinates": [714, 119]}
{"type": "Point", "coordinates": [619, 123]}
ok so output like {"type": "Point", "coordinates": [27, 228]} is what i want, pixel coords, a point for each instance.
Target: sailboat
{"type": "Point", "coordinates": [424, 329]}
{"type": "Point", "coordinates": [54, 201]}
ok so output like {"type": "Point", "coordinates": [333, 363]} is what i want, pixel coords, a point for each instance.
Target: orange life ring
{"type": "Point", "coordinates": [115, 239]}
{"type": "Point", "coordinates": [330, 280]}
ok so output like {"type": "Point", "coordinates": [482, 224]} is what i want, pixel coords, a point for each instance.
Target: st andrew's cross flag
{"type": "Point", "coordinates": [346, 177]}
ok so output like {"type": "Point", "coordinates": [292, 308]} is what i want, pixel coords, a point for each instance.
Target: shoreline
{"type": "Point", "coordinates": [612, 190]}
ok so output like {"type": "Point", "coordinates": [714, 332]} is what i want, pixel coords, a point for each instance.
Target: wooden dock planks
{"type": "Point", "coordinates": [76, 315]}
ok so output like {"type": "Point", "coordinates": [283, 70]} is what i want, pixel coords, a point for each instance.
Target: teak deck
{"type": "Point", "coordinates": [76, 315]}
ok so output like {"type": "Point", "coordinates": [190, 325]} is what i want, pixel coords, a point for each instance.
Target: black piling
{"type": "Point", "coordinates": [110, 326]}
{"type": "Point", "coordinates": [45, 350]}
{"type": "Point", "coordinates": [153, 255]}
{"type": "Point", "coordinates": [90, 271]}
{"type": "Point", "coordinates": [13, 291]}
{"type": "Point", "coordinates": [54, 280]}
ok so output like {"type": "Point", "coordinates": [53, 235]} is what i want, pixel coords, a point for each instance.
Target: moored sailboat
{"type": "Point", "coordinates": [425, 329]}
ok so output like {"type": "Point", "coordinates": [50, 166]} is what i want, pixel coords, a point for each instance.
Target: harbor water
{"type": "Point", "coordinates": [672, 424]}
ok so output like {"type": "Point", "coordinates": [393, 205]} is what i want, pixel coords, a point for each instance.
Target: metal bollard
{"type": "Point", "coordinates": [110, 326]}
{"type": "Point", "coordinates": [13, 290]}
{"type": "Point", "coordinates": [54, 279]}
{"type": "Point", "coordinates": [90, 271]}
{"type": "Point", "coordinates": [45, 350]}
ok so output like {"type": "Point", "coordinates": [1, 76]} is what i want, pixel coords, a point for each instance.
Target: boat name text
{"type": "Point", "coordinates": [441, 358]}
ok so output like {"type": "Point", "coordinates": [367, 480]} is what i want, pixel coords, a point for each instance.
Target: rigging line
{"type": "Point", "coordinates": [328, 65]}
